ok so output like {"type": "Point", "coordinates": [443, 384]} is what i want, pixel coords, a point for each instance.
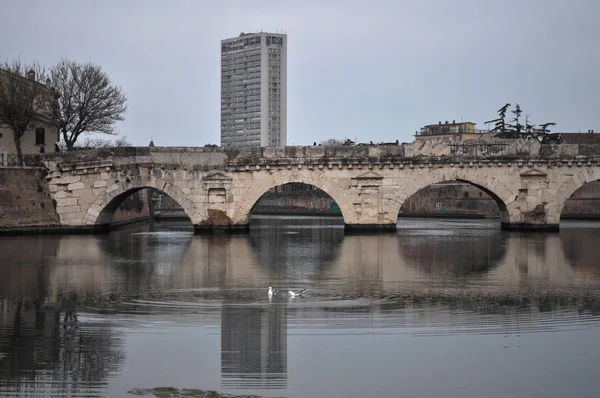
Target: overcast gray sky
{"type": "Point", "coordinates": [371, 70]}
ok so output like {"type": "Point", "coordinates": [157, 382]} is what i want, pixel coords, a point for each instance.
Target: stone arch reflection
{"type": "Point", "coordinates": [218, 260]}
{"type": "Point", "coordinates": [288, 245]}
{"type": "Point", "coordinates": [146, 253]}
{"type": "Point", "coordinates": [369, 264]}
{"type": "Point", "coordinates": [451, 248]}
{"type": "Point", "coordinates": [580, 247]}
{"type": "Point", "coordinates": [422, 254]}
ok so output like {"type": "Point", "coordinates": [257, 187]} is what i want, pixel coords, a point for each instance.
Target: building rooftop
{"type": "Point", "coordinates": [578, 138]}
{"type": "Point", "coordinates": [249, 35]}
{"type": "Point", "coordinates": [446, 123]}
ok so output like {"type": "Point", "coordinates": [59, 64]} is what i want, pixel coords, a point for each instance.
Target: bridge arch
{"type": "Point", "coordinates": [502, 194]}
{"type": "Point", "coordinates": [568, 188]}
{"type": "Point", "coordinates": [241, 215]}
{"type": "Point", "coordinates": [105, 204]}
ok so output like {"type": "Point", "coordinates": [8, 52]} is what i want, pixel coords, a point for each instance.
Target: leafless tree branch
{"type": "Point", "coordinates": [96, 142]}
{"type": "Point", "coordinates": [87, 102]}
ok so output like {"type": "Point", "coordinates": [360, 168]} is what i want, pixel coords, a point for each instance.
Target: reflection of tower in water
{"type": "Point", "coordinates": [253, 347]}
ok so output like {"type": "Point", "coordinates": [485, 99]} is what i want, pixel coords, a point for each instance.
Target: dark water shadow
{"type": "Point", "coordinates": [285, 245]}
{"type": "Point", "coordinates": [451, 248]}
{"type": "Point", "coordinates": [580, 246]}
{"type": "Point", "coordinates": [139, 253]}
{"type": "Point", "coordinates": [50, 347]}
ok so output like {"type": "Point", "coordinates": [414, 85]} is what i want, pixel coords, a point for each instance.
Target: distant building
{"type": "Point", "coordinates": [43, 132]}
{"type": "Point", "coordinates": [589, 138]}
{"type": "Point", "coordinates": [254, 90]}
{"type": "Point", "coordinates": [451, 132]}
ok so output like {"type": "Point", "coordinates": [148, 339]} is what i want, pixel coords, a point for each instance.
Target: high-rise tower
{"type": "Point", "coordinates": [254, 90]}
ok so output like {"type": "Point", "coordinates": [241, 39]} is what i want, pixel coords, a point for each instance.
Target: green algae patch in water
{"type": "Point", "coordinates": [172, 392]}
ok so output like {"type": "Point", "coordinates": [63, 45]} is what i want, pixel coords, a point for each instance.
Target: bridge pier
{"type": "Point", "coordinates": [531, 213]}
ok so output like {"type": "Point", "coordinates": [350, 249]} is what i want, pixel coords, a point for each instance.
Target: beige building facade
{"type": "Point", "coordinates": [42, 133]}
{"type": "Point", "coordinates": [451, 132]}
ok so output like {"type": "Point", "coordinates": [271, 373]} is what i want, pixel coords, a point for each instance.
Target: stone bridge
{"type": "Point", "coordinates": [218, 188]}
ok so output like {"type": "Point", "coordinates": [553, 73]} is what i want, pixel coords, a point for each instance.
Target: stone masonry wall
{"type": "Point", "coordinates": [25, 199]}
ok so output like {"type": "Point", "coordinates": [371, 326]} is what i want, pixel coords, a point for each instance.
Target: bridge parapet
{"type": "Point", "coordinates": [418, 152]}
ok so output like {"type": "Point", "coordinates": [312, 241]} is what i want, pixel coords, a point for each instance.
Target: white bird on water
{"type": "Point", "coordinates": [294, 293]}
{"type": "Point", "coordinates": [272, 292]}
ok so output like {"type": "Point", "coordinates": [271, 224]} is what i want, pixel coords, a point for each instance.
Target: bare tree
{"type": "Point", "coordinates": [23, 100]}
{"type": "Point", "coordinates": [95, 142]}
{"type": "Point", "coordinates": [332, 142]}
{"type": "Point", "coordinates": [337, 142]}
{"type": "Point", "coordinates": [88, 102]}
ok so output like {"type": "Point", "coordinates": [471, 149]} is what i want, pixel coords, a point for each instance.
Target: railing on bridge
{"type": "Point", "coordinates": [12, 160]}
{"type": "Point", "coordinates": [458, 133]}
{"type": "Point", "coordinates": [477, 149]}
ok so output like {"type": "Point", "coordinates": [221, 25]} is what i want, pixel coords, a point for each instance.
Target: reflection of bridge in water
{"type": "Point", "coordinates": [429, 279]}
{"type": "Point", "coordinates": [46, 349]}
{"type": "Point", "coordinates": [479, 260]}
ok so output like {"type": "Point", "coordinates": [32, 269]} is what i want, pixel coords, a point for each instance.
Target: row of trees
{"type": "Point", "coordinates": [76, 98]}
{"type": "Point", "coordinates": [514, 128]}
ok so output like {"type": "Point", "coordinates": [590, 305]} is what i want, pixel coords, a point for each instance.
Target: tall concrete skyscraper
{"type": "Point", "coordinates": [254, 90]}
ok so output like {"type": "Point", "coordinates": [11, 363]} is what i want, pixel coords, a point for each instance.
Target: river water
{"type": "Point", "coordinates": [442, 308]}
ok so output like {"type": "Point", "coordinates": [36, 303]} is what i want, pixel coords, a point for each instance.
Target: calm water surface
{"type": "Point", "coordinates": [442, 308]}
